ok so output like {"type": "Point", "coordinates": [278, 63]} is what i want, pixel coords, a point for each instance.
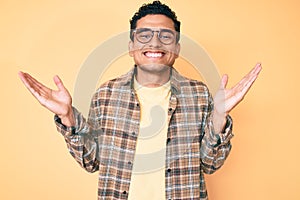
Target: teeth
{"type": "Point", "coordinates": [153, 55]}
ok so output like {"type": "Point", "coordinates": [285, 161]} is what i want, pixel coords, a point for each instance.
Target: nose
{"type": "Point", "coordinates": [155, 42]}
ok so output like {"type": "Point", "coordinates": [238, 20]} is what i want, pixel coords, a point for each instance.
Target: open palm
{"type": "Point", "coordinates": [226, 99]}
{"type": "Point", "coordinates": [57, 101]}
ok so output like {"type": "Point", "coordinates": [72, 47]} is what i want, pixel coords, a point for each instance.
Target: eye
{"type": "Point", "coordinates": [144, 35]}
{"type": "Point", "coordinates": [166, 32]}
{"type": "Point", "coordinates": [165, 36]}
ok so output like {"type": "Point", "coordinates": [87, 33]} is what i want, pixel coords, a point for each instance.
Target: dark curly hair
{"type": "Point", "coordinates": [156, 7]}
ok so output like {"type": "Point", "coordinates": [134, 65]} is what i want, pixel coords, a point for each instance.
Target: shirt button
{"type": "Point", "coordinates": [137, 105]}
{"type": "Point", "coordinates": [124, 192]}
{"type": "Point", "coordinates": [170, 109]}
{"type": "Point", "coordinates": [129, 163]}
{"type": "Point", "coordinates": [133, 133]}
{"type": "Point", "coordinates": [168, 140]}
{"type": "Point", "coordinates": [169, 170]}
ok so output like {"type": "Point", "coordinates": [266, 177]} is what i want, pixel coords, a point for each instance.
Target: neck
{"type": "Point", "coordinates": [153, 78]}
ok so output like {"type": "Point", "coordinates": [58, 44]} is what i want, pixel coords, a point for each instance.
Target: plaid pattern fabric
{"type": "Point", "coordinates": [106, 142]}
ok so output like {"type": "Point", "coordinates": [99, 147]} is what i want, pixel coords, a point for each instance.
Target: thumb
{"type": "Point", "coordinates": [58, 83]}
{"type": "Point", "coordinates": [224, 81]}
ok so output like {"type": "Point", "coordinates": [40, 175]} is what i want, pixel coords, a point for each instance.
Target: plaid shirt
{"type": "Point", "coordinates": [106, 142]}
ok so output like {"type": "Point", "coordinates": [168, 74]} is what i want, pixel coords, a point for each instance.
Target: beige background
{"type": "Point", "coordinates": [55, 37]}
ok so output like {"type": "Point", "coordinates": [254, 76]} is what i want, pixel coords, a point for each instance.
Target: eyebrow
{"type": "Point", "coordinates": [138, 30]}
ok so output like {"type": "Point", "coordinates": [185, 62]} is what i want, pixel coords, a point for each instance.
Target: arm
{"type": "Point", "coordinates": [215, 145]}
{"type": "Point", "coordinates": [79, 134]}
{"type": "Point", "coordinates": [82, 139]}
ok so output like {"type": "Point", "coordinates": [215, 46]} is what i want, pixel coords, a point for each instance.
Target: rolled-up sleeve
{"type": "Point", "coordinates": [215, 147]}
{"type": "Point", "coordinates": [81, 139]}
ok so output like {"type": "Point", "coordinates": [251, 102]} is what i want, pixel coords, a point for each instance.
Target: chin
{"type": "Point", "coordinates": [154, 67]}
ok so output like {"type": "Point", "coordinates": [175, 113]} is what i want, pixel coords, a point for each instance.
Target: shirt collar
{"type": "Point", "coordinates": [176, 78]}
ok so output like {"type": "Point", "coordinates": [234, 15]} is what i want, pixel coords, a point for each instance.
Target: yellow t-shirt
{"type": "Point", "coordinates": [148, 174]}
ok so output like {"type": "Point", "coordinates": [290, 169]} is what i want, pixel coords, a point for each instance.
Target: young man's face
{"type": "Point", "coordinates": [154, 45]}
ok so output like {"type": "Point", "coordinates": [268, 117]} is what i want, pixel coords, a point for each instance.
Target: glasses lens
{"type": "Point", "coordinates": [166, 36]}
{"type": "Point", "coordinates": [144, 35]}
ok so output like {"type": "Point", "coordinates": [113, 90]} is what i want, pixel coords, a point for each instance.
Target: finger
{"type": "Point", "coordinates": [241, 92]}
{"type": "Point", "coordinates": [31, 85]}
{"type": "Point", "coordinates": [238, 92]}
{"type": "Point", "coordinates": [258, 68]}
{"type": "Point", "coordinates": [241, 89]}
{"type": "Point", "coordinates": [252, 75]}
{"type": "Point", "coordinates": [33, 89]}
{"type": "Point", "coordinates": [58, 82]}
{"type": "Point", "coordinates": [36, 82]}
{"type": "Point", "coordinates": [23, 78]}
{"type": "Point", "coordinates": [26, 80]}
{"type": "Point", "coordinates": [37, 86]}
{"type": "Point", "coordinates": [224, 82]}
{"type": "Point", "coordinates": [248, 85]}
{"type": "Point", "coordinates": [255, 70]}
{"type": "Point", "coordinates": [248, 78]}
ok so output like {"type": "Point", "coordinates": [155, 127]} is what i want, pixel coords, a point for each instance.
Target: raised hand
{"type": "Point", "coordinates": [57, 101]}
{"type": "Point", "coordinates": [226, 99]}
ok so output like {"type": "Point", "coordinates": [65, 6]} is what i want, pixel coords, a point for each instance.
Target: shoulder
{"type": "Point", "coordinates": [188, 85]}
{"type": "Point", "coordinates": [118, 84]}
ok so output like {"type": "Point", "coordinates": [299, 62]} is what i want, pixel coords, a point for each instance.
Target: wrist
{"type": "Point", "coordinates": [68, 119]}
{"type": "Point", "coordinates": [219, 121]}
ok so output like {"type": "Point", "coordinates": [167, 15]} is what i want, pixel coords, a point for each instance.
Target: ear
{"type": "Point", "coordinates": [130, 48]}
{"type": "Point", "coordinates": [177, 49]}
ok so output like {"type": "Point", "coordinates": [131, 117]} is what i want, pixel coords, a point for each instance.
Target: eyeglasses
{"type": "Point", "coordinates": [145, 35]}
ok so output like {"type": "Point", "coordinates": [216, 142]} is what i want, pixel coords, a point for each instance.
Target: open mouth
{"type": "Point", "coordinates": [154, 54]}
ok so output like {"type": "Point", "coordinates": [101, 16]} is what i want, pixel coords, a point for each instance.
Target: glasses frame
{"type": "Point", "coordinates": [158, 31]}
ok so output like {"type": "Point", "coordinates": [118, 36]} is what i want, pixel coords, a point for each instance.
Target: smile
{"type": "Point", "coordinates": [154, 54]}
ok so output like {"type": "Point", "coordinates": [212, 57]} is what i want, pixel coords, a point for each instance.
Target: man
{"type": "Point", "coordinates": [195, 134]}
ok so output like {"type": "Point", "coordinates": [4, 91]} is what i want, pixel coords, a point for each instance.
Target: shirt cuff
{"type": "Point", "coordinates": [217, 139]}
{"type": "Point", "coordinates": [226, 134]}
{"type": "Point", "coordinates": [63, 129]}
